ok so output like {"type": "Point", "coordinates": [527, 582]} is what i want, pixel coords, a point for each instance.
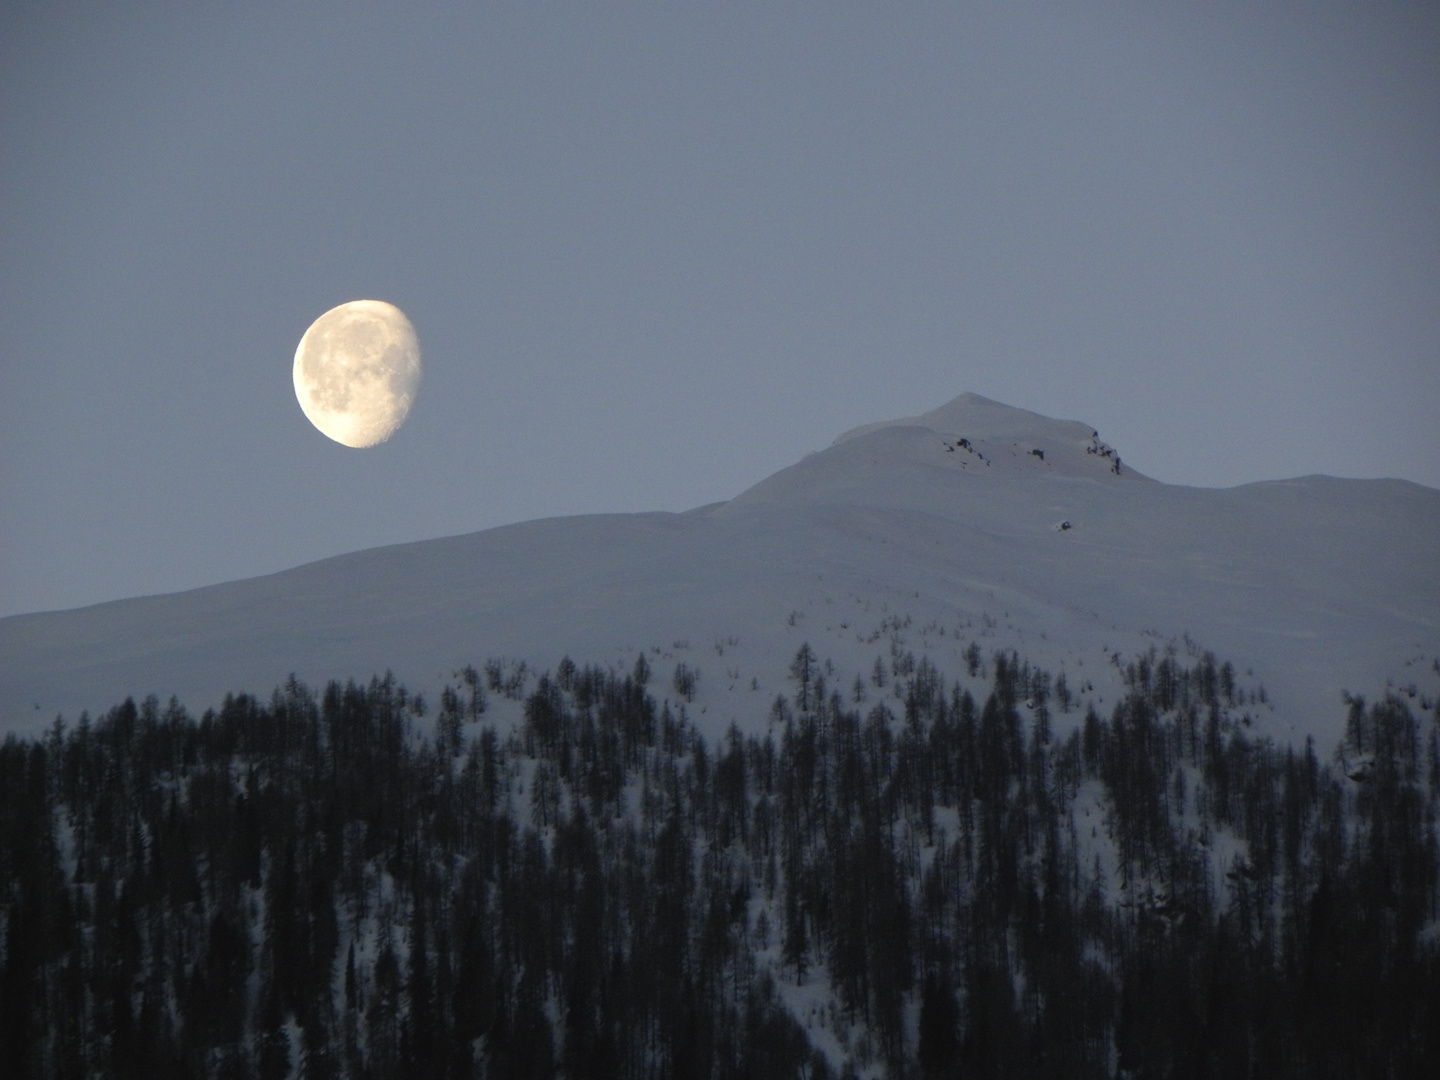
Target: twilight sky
{"type": "Point", "coordinates": [655, 252]}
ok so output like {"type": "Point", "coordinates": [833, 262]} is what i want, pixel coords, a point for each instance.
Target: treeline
{"type": "Point", "coordinates": [333, 886]}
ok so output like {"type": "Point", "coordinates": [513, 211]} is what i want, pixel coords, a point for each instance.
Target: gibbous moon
{"type": "Point", "coordinates": [357, 371]}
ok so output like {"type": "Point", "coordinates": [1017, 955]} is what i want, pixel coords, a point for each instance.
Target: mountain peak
{"type": "Point", "coordinates": [974, 417]}
{"type": "Point", "coordinates": [917, 461]}
{"type": "Point", "coordinates": [990, 433]}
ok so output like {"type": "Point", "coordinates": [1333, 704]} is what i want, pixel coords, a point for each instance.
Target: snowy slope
{"type": "Point", "coordinates": [920, 535]}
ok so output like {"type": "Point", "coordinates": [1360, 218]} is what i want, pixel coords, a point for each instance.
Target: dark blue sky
{"type": "Point", "coordinates": [655, 252]}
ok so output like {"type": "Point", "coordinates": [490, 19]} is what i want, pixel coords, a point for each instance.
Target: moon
{"type": "Point", "coordinates": [357, 370]}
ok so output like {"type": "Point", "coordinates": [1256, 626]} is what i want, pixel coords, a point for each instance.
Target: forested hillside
{"type": "Point", "coordinates": [899, 881]}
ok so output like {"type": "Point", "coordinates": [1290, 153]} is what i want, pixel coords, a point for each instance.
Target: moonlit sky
{"type": "Point", "coordinates": [655, 252]}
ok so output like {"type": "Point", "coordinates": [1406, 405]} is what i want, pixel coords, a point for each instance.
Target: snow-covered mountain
{"type": "Point", "coordinates": [975, 523]}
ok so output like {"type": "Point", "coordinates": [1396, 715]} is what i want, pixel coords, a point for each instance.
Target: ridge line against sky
{"type": "Point", "coordinates": [654, 255]}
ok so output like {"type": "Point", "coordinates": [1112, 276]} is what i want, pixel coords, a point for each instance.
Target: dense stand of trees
{"type": "Point", "coordinates": [927, 886]}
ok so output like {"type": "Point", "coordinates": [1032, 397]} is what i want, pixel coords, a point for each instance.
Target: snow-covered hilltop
{"type": "Point", "coordinates": [975, 524]}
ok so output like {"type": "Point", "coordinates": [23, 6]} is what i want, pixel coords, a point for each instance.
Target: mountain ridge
{"type": "Point", "coordinates": [1318, 585]}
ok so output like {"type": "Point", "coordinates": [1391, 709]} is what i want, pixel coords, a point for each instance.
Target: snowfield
{"type": "Point", "coordinates": [976, 524]}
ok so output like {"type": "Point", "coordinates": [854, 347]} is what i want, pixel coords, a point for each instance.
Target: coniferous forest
{"type": "Point", "coordinates": [907, 883]}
